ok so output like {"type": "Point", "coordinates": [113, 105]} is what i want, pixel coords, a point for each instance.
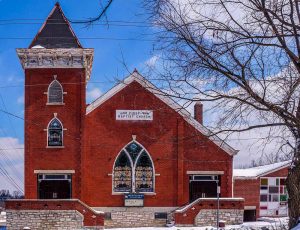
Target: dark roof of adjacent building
{"type": "Point", "coordinates": [56, 32]}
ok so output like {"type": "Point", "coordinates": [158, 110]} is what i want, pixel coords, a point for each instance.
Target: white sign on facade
{"type": "Point", "coordinates": [133, 203]}
{"type": "Point", "coordinates": [134, 115]}
{"type": "Point", "coordinates": [134, 200]}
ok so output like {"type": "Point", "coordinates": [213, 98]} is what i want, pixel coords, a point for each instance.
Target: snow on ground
{"type": "Point", "coordinates": [268, 223]}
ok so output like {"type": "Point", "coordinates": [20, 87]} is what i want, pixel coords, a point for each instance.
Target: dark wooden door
{"type": "Point", "coordinates": [202, 189]}
{"type": "Point", "coordinates": [249, 215]}
{"type": "Point", "coordinates": [55, 189]}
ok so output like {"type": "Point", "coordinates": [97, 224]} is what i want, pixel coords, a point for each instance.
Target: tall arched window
{"type": "Point", "coordinates": [55, 133]}
{"type": "Point", "coordinates": [122, 173]}
{"type": "Point", "coordinates": [133, 170]}
{"type": "Point", "coordinates": [144, 174]}
{"type": "Point", "coordinates": [55, 93]}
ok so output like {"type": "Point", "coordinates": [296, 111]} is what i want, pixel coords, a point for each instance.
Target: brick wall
{"type": "Point", "coordinates": [37, 116]}
{"type": "Point", "coordinates": [249, 190]}
{"type": "Point", "coordinates": [174, 145]}
{"type": "Point", "coordinates": [279, 173]}
{"type": "Point", "coordinates": [93, 141]}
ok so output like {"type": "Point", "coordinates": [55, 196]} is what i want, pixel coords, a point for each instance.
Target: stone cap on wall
{"type": "Point", "coordinates": [187, 214]}
{"type": "Point", "coordinates": [91, 216]}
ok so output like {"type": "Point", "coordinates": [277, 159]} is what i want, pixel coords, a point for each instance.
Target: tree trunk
{"type": "Point", "coordinates": [293, 187]}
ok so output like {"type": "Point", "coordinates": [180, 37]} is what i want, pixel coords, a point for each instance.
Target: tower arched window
{"type": "Point", "coordinates": [133, 170]}
{"type": "Point", "coordinates": [55, 133]}
{"type": "Point", "coordinates": [55, 93]}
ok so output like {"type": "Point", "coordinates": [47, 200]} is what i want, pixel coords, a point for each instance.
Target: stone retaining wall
{"type": "Point", "coordinates": [209, 216]}
{"type": "Point", "coordinates": [134, 216]}
{"type": "Point", "coordinates": [44, 219]}
{"type": "Point", "coordinates": [133, 219]}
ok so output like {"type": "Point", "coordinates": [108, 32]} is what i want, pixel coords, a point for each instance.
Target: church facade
{"type": "Point", "coordinates": [132, 147]}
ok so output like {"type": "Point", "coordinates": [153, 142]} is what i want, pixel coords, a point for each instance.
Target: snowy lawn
{"type": "Point", "coordinates": [268, 223]}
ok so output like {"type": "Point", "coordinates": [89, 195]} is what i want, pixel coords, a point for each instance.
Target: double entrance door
{"type": "Point", "coordinates": [54, 186]}
{"type": "Point", "coordinates": [203, 186]}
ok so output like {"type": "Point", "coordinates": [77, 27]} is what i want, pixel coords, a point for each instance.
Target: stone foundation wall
{"type": "Point", "coordinates": [44, 219]}
{"type": "Point", "coordinates": [134, 217]}
{"type": "Point", "coordinates": [209, 217]}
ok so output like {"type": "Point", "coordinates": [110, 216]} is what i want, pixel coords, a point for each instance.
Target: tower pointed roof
{"type": "Point", "coordinates": [56, 32]}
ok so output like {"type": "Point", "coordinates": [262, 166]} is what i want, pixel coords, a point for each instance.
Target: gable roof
{"type": "Point", "coordinates": [256, 172]}
{"type": "Point", "coordinates": [135, 76]}
{"type": "Point", "coordinates": [56, 32]}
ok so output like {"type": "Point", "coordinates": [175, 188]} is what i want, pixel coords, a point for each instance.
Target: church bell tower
{"type": "Point", "coordinates": [57, 69]}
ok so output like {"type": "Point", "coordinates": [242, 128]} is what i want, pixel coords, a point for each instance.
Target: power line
{"type": "Point", "coordinates": [94, 24]}
{"type": "Point", "coordinates": [84, 38]}
{"type": "Point", "coordinates": [49, 19]}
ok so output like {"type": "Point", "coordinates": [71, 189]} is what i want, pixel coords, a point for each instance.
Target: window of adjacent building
{"type": "Point", "coordinates": [55, 133]}
{"type": "Point", "coordinates": [273, 196]}
{"type": "Point", "coordinates": [55, 93]}
{"type": "Point", "coordinates": [133, 170]}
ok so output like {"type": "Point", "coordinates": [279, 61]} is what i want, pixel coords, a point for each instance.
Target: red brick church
{"type": "Point", "coordinates": [133, 147]}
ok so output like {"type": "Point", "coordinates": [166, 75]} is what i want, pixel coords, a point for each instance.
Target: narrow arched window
{"type": "Point", "coordinates": [144, 174]}
{"type": "Point", "coordinates": [133, 170]}
{"type": "Point", "coordinates": [55, 133]}
{"type": "Point", "coordinates": [122, 174]}
{"type": "Point", "coordinates": [55, 93]}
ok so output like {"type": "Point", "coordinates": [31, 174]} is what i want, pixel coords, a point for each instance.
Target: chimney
{"type": "Point", "coordinates": [198, 112]}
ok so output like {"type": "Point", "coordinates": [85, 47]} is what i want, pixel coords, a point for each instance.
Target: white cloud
{"type": "Point", "coordinates": [20, 100]}
{"type": "Point", "coordinates": [93, 94]}
{"type": "Point", "coordinates": [151, 62]}
{"type": "Point", "coordinates": [11, 162]}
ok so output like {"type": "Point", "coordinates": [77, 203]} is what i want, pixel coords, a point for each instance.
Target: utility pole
{"type": "Point", "coordinates": [218, 203]}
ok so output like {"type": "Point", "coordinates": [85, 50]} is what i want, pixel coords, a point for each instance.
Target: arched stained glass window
{"type": "Point", "coordinates": [55, 92]}
{"type": "Point", "coordinates": [144, 174]}
{"type": "Point", "coordinates": [55, 133]}
{"type": "Point", "coordinates": [133, 170]}
{"type": "Point", "coordinates": [122, 173]}
{"type": "Point", "coordinates": [133, 149]}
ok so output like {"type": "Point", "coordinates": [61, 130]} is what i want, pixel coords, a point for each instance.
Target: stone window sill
{"type": "Point", "coordinates": [145, 193]}
{"type": "Point", "coordinates": [55, 147]}
{"type": "Point", "coordinates": [55, 103]}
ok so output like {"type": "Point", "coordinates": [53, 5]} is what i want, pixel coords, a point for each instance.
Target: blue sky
{"type": "Point", "coordinates": [15, 32]}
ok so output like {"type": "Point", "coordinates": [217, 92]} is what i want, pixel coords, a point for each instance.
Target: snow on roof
{"type": "Point", "coordinates": [255, 172]}
{"type": "Point", "coordinates": [38, 47]}
{"type": "Point", "coordinates": [135, 76]}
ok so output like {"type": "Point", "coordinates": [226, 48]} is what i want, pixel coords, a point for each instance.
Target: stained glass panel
{"type": "Point", "coordinates": [144, 174]}
{"type": "Point", "coordinates": [55, 135]}
{"type": "Point", "coordinates": [55, 92]}
{"type": "Point", "coordinates": [122, 174]}
{"type": "Point", "coordinates": [264, 181]}
{"type": "Point", "coordinates": [133, 149]}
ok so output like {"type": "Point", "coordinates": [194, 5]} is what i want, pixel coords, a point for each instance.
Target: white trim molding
{"type": "Point", "coordinates": [40, 171]}
{"type": "Point", "coordinates": [205, 172]}
{"type": "Point", "coordinates": [57, 58]}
